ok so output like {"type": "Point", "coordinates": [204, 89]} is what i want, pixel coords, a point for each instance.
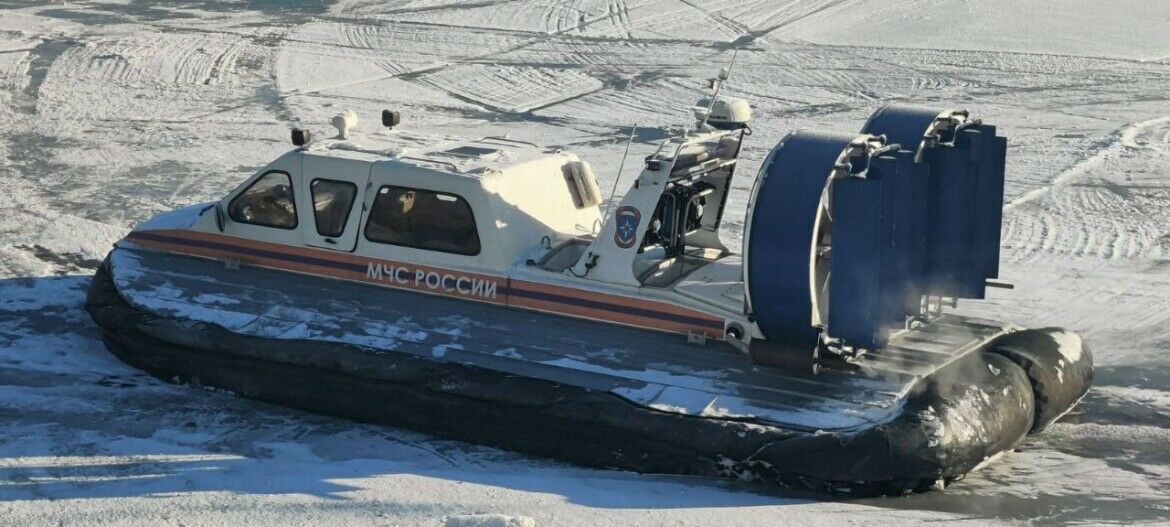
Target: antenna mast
{"type": "Point", "coordinates": [717, 84]}
{"type": "Point", "coordinates": [621, 167]}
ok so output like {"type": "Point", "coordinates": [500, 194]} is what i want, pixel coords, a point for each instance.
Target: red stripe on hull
{"type": "Point", "coordinates": [243, 250]}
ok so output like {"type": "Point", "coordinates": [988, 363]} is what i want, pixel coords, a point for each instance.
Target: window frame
{"type": "Point", "coordinates": [292, 191]}
{"type": "Point", "coordinates": [348, 210]}
{"type": "Point", "coordinates": [458, 199]}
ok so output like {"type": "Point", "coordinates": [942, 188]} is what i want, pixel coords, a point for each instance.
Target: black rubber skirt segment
{"type": "Point", "coordinates": [1059, 366]}
{"type": "Point", "coordinates": [975, 408]}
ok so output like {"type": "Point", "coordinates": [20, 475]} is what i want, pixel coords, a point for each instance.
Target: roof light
{"type": "Point", "coordinates": [391, 119]}
{"type": "Point", "coordinates": [300, 137]}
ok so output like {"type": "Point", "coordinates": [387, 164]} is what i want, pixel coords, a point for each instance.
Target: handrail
{"type": "Point", "coordinates": [507, 139]}
{"type": "Point", "coordinates": [453, 166]}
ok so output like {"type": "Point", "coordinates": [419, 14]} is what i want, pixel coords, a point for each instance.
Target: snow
{"type": "Point", "coordinates": [693, 395]}
{"type": "Point", "coordinates": [439, 351]}
{"type": "Point", "coordinates": [489, 520]}
{"type": "Point", "coordinates": [176, 219]}
{"type": "Point", "coordinates": [115, 111]}
{"type": "Point", "coordinates": [1134, 29]}
{"type": "Point", "coordinates": [510, 353]}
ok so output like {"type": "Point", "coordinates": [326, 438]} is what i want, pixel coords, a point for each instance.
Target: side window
{"type": "Point", "coordinates": [268, 202]}
{"type": "Point", "coordinates": [332, 201]}
{"type": "Point", "coordinates": [423, 219]}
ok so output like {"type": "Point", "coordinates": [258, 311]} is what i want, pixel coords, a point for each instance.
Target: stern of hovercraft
{"type": "Point", "coordinates": [855, 238]}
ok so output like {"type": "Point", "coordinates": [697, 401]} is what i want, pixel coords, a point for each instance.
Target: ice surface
{"type": "Point", "coordinates": [114, 111]}
{"type": "Point", "coordinates": [1132, 29]}
{"type": "Point", "coordinates": [176, 219]}
{"type": "Point", "coordinates": [489, 520]}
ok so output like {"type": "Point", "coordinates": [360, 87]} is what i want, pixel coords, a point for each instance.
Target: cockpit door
{"type": "Point", "coordinates": [331, 198]}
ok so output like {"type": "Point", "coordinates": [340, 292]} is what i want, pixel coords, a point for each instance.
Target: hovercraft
{"type": "Point", "coordinates": [482, 291]}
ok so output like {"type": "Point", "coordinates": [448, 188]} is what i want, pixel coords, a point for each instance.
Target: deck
{"type": "Point", "coordinates": [657, 370]}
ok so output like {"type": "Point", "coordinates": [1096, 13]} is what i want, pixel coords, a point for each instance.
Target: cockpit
{"type": "Point", "coordinates": [683, 232]}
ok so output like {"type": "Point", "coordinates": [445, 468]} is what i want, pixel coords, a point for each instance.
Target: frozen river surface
{"type": "Point", "coordinates": [115, 110]}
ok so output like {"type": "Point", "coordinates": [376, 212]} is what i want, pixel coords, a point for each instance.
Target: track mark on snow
{"type": "Point", "coordinates": [1113, 204]}
{"type": "Point", "coordinates": [730, 25]}
{"type": "Point", "coordinates": [783, 17]}
{"type": "Point", "coordinates": [613, 15]}
{"type": "Point", "coordinates": [41, 58]}
{"type": "Point", "coordinates": [64, 263]}
{"type": "Point", "coordinates": [512, 89]}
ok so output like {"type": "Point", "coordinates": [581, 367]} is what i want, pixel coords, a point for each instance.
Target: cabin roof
{"type": "Point", "coordinates": [476, 157]}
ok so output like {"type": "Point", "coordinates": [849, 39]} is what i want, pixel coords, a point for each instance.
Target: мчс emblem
{"type": "Point", "coordinates": [626, 221]}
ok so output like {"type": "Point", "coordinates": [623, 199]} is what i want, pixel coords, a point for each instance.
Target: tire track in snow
{"type": "Point", "coordinates": [367, 37]}
{"type": "Point", "coordinates": [1126, 137]}
{"type": "Point", "coordinates": [730, 25]}
{"type": "Point", "coordinates": [563, 16]}
{"type": "Point", "coordinates": [621, 16]}
{"type": "Point", "coordinates": [615, 13]}
{"type": "Point", "coordinates": [1113, 204]}
{"type": "Point", "coordinates": [135, 76]}
{"type": "Point", "coordinates": [818, 7]}
{"type": "Point", "coordinates": [512, 89]}
{"type": "Point", "coordinates": [38, 60]}
{"type": "Point", "coordinates": [457, 5]}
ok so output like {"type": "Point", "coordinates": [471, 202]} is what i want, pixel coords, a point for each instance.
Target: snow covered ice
{"type": "Point", "coordinates": [114, 111]}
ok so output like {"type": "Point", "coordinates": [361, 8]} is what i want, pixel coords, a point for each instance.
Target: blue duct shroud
{"type": "Point", "coordinates": [784, 209]}
{"type": "Point", "coordinates": [963, 197]}
{"type": "Point", "coordinates": [923, 220]}
{"type": "Point", "coordinates": [967, 180]}
{"type": "Point", "coordinates": [878, 241]}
